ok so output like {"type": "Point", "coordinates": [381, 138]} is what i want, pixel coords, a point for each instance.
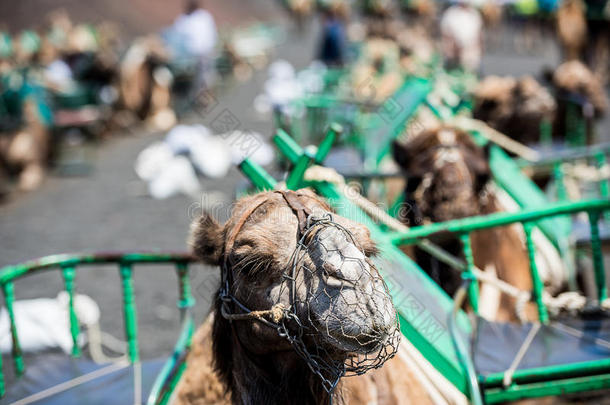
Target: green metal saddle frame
{"type": "Point", "coordinates": [68, 264]}
{"type": "Point", "coordinates": [449, 353]}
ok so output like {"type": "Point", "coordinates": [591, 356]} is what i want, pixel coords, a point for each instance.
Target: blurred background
{"type": "Point", "coordinates": [121, 119]}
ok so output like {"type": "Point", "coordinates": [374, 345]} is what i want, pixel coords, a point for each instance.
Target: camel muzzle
{"type": "Point", "coordinates": [341, 321]}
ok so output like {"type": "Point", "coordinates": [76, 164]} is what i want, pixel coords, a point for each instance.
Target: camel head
{"type": "Point", "coordinates": [298, 278]}
{"type": "Point", "coordinates": [515, 107]}
{"type": "Point", "coordinates": [446, 174]}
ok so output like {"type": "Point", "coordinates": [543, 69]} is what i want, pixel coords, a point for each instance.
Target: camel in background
{"type": "Point", "coordinates": [447, 177]}
{"type": "Point", "coordinates": [515, 107]}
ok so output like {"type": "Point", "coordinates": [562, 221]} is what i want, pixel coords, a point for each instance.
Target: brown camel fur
{"type": "Point", "coordinates": [574, 84]}
{"type": "Point", "coordinates": [145, 82]}
{"type": "Point", "coordinates": [447, 178]}
{"type": "Point", "coordinates": [392, 384]}
{"type": "Point", "coordinates": [575, 77]}
{"type": "Point", "coordinates": [247, 362]}
{"type": "Point", "coordinates": [515, 107]}
{"type": "Point", "coordinates": [572, 28]}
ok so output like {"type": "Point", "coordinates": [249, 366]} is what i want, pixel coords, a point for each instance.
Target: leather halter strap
{"type": "Point", "coordinates": [299, 209]}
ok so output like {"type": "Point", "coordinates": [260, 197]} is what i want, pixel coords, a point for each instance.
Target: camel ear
{"type": "Point", "coordinates": [206, 239]}
{"type": "Point", "coordinates": [363, 236]}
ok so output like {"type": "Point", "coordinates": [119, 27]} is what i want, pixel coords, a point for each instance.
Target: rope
{"type": "Point", "coordinates": [581, 335]}
{"type": "Point", "coordinates": [276, 314]}
{"type": "Point", "coordinates": [586, 173]}
{"type": "Point", "coordinates": [495, 136]}
{"type": "Point", "coordinates": [98, 339]}
{"type": "Point", "coordinates": [56, 389]}
{"type": "Point", "coordinates": [507, 379]}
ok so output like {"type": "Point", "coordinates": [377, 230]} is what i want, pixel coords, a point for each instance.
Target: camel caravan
{"type": "Point", "coordinates": [575, 90]}
{"type": "Point", "coordinates": [64, 76]}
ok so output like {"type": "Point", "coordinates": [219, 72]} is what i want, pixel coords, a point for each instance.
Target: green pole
{"type": "Point", "coordinates": [69, 273]}
{"type": "Point", "coordinates": [295, 178]}
{"type": "Point", "coordinates": [538, 287]}
{"type": "Point", "coordinates": [333, 132]}
{"type": "Point", "coordinates": [604, 186]}
{"type": "Point", "coordinates": [9, 297]}
{"type": "Point", "coordinates": [546, 133]}
{"type": "Point", "coordinates": [562, 192]}
{"type": "Point", "coordinates": [287, 145]}
{"type": "Point", "coordinates": [186, 299]}
{"type": "Point", "coordinates": [598, 257]}
{"type": "Point", "coordinates": [129, 308]}
{"type": "Point", "coordinates": [257, 175]}
{"type": "Point", "coordinates": [473, 287]}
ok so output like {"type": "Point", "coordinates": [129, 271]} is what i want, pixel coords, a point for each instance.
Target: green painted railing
{"type": "Point", "coordinates": [595, 155]}
{"type": "Point", "coordinates": [126, 262]}
{"type": "Point", "coordinates": [464, 227]}
{"type": "Point", "coordinates": [543, 381]}
{"type": "Point", "coordinates": [443, 353]}
{"type": "Point", "coordinates": [371, 128]}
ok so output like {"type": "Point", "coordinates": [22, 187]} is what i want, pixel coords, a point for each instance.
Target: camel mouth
{"type": "Point", "coordinates": [347, 303]}
{"type": "Point", "coordinates": [360, 333]}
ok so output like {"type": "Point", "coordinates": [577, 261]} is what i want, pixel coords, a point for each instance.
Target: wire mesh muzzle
{"type": "Point", "coordinates": [340, 320]}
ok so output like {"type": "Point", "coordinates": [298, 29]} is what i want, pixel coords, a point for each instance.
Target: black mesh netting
{"type": "Point", "coordinates": [339, 305]}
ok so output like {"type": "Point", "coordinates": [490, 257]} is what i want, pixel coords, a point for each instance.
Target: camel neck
{"type": "Point", "coordinates": [270, 378]}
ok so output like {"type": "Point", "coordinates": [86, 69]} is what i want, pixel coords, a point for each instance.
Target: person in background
{"type": "Point", "coordinates": [462, 36]}
{"type": "Point", "coordinates": [192, 39]}
{"type": "Point", "coordinates": [332, 46]}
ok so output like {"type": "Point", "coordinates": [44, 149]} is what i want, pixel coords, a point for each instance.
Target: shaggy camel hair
{"type": "Point", "coordinates": [392, 384]}
{"type": "Point", "coordinates": [247, 362]}
{"type": "Point", "coordinates": [447, 176]}
{"type": "Point", "coordinates": [515, 107]}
